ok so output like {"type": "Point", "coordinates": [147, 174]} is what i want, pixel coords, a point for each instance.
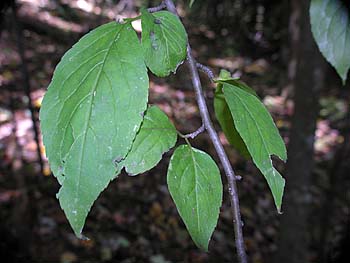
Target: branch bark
{"type": "Point", "coordinates": [194, 134]}
{"type": "Point", "coordinates": [230, 175]}
{"type": "Point", "coordinates": [157, 8]}
{"type": "Point", "coordinates": [206, 70]}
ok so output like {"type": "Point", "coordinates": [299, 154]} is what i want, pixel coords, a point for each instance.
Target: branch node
{"type": "Point", "coordinates": [238, 177]}
{"type": "Point", "coordinates": [203, 110]}
{"type": "Point", "coordinates": [195, 133]}
{"type": "Point", "coordinates": [206, 70]}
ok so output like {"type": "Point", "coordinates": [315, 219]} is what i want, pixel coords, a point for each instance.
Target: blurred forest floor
{"type": "Point", "coordinates": [134, 219]}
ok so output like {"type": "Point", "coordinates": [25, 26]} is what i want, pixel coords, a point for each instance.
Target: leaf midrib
{"type": "Point", "coordinates": [257, 127]}
{"type": "Point", "coordinates": [90, 111]}
{"type": "Point", "coordinates": [195, 175]}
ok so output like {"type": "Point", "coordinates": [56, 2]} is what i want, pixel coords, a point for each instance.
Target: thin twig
{"type": "Point", "coordinates": [194, 134]}
{"type": "Point", "coordinates": [230, 175]}
{"type": "Point", "coordinates": [157, 8]}
{"type": "Point", "coordinates": [206, 70]}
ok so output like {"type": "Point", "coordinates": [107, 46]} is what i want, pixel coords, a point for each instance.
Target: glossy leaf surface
{"type": "Point", "coordinates": [195, 185]}
{"type": "Point", "coordinates": [164, 42]}
{"type": "Point", "coordinates": [91, 113]}
{"type": "Point", "coordinates": [156, 136]}
{"type": "Point", "coordinates": [330, 24]}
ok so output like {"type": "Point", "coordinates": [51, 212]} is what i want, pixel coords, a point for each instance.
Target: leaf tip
{"type": "Point", "coordinates": [82, 237]}
{"type": "Point", "coordinates": [202, 244]}
{"type": "Point", "coordinates": [344, 78]}
{"type": "Point", "coordinates": [206, 249]}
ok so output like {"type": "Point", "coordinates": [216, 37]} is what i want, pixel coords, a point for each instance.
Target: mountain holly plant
{"type": "Point", "coordinates": [96, 121]}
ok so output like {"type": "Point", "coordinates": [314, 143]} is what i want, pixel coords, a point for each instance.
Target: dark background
{"type": "Point", "coordinates": [266, 43]}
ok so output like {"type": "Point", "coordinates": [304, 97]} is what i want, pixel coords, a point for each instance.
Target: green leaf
{"type": "Point", "coordinates": [330, 24]}
{"type": "Point", "coordinates": [259, 133]}
{"type": "Point", "coordinates": [156, 136]}
{"type": "Point", "coordinates": [225, 77]}
{"type": "Point", "coordinates": [223, 114]}
{"type": "Point", "coordinates": [195, 185]}
{"type": "Point", "coordinates": [191, 3]}
{"type": "Point", "coordinates": [91, 113]}
{"type": "Point", "coordinates": [164, 41]}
